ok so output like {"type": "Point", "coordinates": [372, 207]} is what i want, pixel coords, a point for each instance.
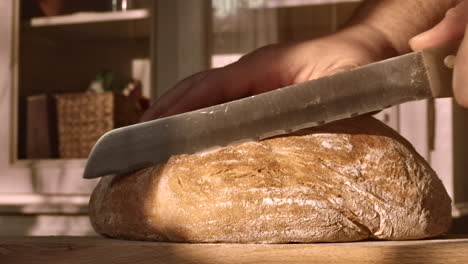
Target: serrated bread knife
{"type": "Point", "coordinates": [410, 77]}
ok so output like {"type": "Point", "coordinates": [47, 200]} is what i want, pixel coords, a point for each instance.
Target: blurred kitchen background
{"type": "Point", "coordinates": [74, 69]}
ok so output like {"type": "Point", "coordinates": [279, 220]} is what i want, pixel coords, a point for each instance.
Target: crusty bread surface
{"type": "Point", "coordinates": [350, 180]}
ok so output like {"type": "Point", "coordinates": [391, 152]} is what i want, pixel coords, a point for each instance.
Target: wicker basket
{"type": "Point", "coordinates": [82, 118]}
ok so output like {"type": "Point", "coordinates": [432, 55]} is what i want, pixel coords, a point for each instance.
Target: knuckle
{"type": "Point", "coordinates": [458, 13]}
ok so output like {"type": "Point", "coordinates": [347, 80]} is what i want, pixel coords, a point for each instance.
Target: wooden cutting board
{"type": "Point", "coordinates": [70, 250]}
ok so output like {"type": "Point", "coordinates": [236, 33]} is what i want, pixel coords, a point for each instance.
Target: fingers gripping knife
{"type": "Point", "coordinates": [414, 76]}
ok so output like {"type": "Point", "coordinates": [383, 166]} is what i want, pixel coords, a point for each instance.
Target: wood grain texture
{"type": "Point", "coordinates": [71, 250]}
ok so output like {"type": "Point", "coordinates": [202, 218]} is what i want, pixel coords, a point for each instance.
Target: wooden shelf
{"type": "Point", "coordinates": [43, 204]}
{"type": "Point", "coordinates": [90, 17]}
{"type": "Point", "coordinates": [131, 24]}
{"type": "Point", "coordinates": [74, 163]}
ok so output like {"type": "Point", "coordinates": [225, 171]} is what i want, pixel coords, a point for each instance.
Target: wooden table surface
{"type": "Point", "coordinates": [31, 250]}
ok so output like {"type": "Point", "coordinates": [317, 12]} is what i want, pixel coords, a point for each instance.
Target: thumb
{"type": "Point", "coordinates": [451, 28]}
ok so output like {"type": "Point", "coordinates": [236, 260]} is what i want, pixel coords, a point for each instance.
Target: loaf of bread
{"type": "Point", "coordinates": [350, 180]}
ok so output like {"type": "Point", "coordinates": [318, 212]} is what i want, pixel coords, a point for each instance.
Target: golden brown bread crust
{"type": "Point", "coordinates": [346, 181]}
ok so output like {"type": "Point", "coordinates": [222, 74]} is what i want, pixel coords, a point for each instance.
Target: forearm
{"type": "Point", "coordinates": [396, 21]}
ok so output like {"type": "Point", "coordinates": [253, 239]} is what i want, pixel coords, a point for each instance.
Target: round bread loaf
{"type": "Point", "coordinates": [349, 180]}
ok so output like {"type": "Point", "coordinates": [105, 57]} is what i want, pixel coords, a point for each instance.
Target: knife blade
{"type": "Point", "coordinates": [410, 77]}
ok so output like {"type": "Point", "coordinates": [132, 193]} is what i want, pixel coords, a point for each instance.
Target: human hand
{"type": "Point", "coordinates": [453, 27]}
{"type": "Point", "coordinates": [273, 67]}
